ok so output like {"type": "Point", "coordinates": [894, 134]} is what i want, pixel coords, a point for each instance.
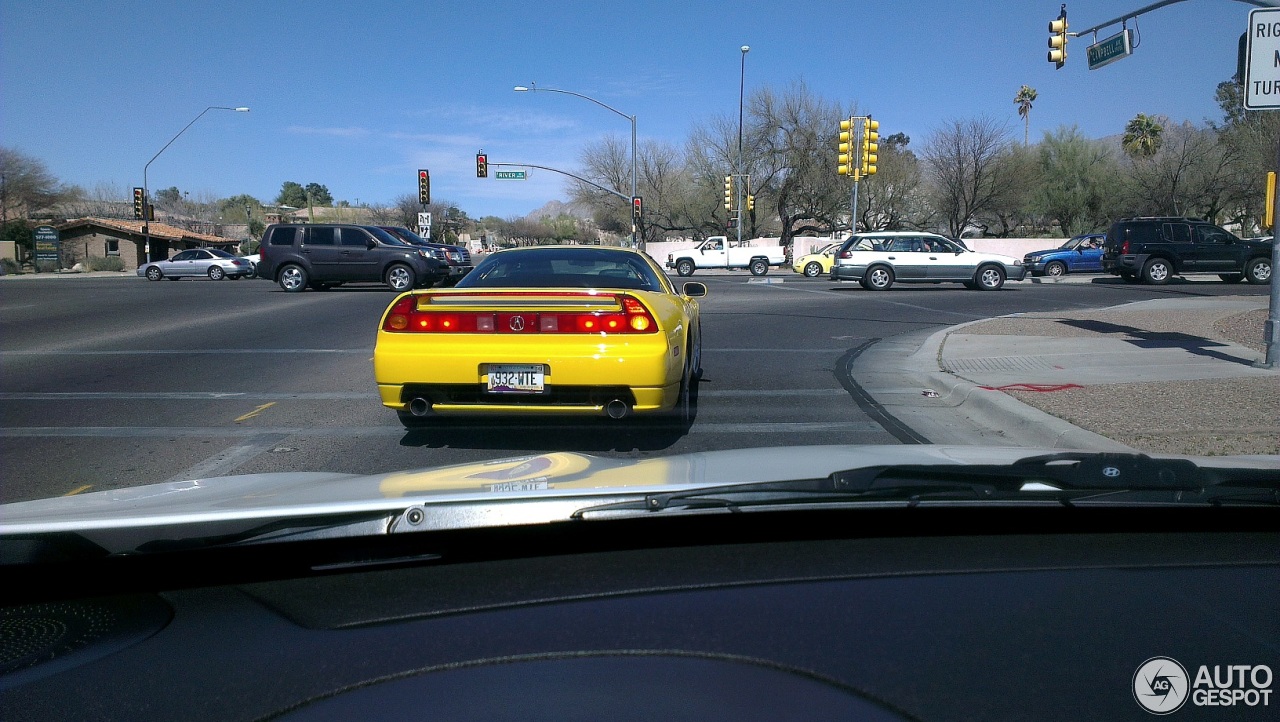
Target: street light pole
{"type": "Point", "coordinates": [533, 88]}
{"type": "Point", "coordinates": [146, 197]}
{"type": "Point", "coordinates": [742, 82]}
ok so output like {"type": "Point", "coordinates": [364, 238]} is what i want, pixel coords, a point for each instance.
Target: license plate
{"type": "Point", "coordinates": [515, 378]}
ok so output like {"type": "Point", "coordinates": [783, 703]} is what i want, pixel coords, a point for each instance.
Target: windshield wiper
{"type": "Point", "coordinates": [1065, 478]}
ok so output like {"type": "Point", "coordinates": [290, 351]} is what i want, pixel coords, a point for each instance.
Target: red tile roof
{"type": "Point", "coordinates": [162, 231]}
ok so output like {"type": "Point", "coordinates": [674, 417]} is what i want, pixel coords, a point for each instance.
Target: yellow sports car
{"type": "Point", "coordinates": [585, 330]}
{"type": "Point", "coordinates": [817, 263]}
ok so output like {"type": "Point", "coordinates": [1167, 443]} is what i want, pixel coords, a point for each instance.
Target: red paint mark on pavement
{"type": "Point", "coordinates": [1041, 388]}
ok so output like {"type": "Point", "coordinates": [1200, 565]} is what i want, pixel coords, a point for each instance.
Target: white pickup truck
{"type": "Point", "coordinates": [720, 252]}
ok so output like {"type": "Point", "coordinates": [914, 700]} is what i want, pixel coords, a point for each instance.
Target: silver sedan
{"type": "Point", "coordinates": [212, 263]}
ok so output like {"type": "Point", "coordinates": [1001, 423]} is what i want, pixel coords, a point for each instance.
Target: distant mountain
{"type": "Point", "coordinates": [553, 209]}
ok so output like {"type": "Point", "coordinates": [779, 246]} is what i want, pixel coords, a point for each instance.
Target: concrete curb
{"type": "Point", "coordinates": [87, 274]}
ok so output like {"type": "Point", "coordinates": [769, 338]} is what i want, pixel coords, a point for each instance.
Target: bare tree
{"type": "Point", "coordinates": [893, 198]}
{"type": "Point", "coordinates": [1190, 174]}
{"type": "Point", "coordinates": [962, 163]}
{"type": "Point", "coordinates": [26, 185]}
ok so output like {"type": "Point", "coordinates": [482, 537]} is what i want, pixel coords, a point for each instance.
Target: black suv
{"type": "Point", "coordinates": [458, 258]}
{"type": "Point", "coordinates": [1151, 250]}
{"type": "Point", "coordinates": [322, 255]}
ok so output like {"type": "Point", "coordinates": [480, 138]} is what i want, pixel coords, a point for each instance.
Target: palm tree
{"type": "Point", "coordinates": [1142, 136]}
{"type": "Point", "coordinates": [1025, 97]}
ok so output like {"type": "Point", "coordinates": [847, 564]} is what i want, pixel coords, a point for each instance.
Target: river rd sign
{"type": "Point", "coordinates": [1262, 63]}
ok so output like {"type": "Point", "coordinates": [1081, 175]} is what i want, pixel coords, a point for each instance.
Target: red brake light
{"type": "Point", "coordinates": [846, 254]}
{"type": "Point", "coordinates": [412, 315]}
{"type": "Point", "coordinates": [1124, 247]}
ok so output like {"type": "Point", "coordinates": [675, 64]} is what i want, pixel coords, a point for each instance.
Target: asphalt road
{"type": "Point", "coordinates": [116, 382]}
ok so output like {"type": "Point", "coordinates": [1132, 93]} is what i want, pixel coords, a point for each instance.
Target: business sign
{"type": "Point", "coordinates": [47, 243]}
{"type": "Point", "coordinates": [1262, 61]}
{"type": "Point", "coordinates": [1106, 52]}
{"type": "Point", "coordinates": [512, 175]}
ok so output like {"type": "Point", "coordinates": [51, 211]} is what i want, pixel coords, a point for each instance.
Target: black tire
{"type": "Point", "coordinates": [293, 278]}
{"type": "Point", "coordinates": [813, 269]}
{"type": "Point", "coordinates": [1055, 269]}
{"type": "Point", "coordinates": [154, 274]}
{"type": "Point", "coordinates": [759, 267]}
{"type": "Point", "coordinates": [989, 278]}
{"type": "Point", "coordinates": [216, 273]}
{"type": "Point", "coordinates": [1258, 271]}
{"type": "Point", "coordinates": [1157, 272]}
{"type": "Point", "coordinates": [878, 278]}
{"type": "Point", "coordinates": [685, 267]}
{"type": "Point", "coordinates": [400, 278]}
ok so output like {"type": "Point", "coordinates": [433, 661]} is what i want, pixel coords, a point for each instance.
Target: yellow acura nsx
{"type": "Point", "coordinates": [548, 330]}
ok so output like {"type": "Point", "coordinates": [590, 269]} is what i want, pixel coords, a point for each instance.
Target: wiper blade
{"type": "Point", "coordinates": [1064, 477]}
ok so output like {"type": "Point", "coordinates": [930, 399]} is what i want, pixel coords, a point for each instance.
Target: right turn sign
{"type": "Point", "coordinates": [1262, 64]}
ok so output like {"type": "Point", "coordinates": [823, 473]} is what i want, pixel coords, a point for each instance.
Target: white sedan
{"type": "Point", "coordinates": [876, 260]}
{"type": "Point", "coordinates": [212, 263]}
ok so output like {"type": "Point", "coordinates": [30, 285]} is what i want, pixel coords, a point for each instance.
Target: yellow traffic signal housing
{"type": "Point", "coordinates": [728, 193]}
{"type": "Point", "coordinates": [844, 159]}
{"type": "Point", "coordinates": [1268, 213]}
{"type": "Point", "coordinates": [751, 203]}
{"type": "Point", "coordinates": [870, 146]}
{"type": "Point", "coordinates": [1058, 39]}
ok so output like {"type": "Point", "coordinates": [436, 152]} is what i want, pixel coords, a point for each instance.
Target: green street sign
{"type": "Point", "coordinates": [1110, 50]}
{"type": "Point", "coordinates": [511, 175]}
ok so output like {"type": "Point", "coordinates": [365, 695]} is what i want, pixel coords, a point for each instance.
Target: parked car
{"type": "Point", "coordinates": [1081, 254]}
{"type": "Point", "coordinates": [213, 263]}
{"type": "Point", "coordinates": [550, 331]}
{"type": "Point", "coordinates": [323, 255]}
{"type": "Point", "coordinates": [876, 260]}
{"type": "Point", "coordinates": [254, 259]}
{"type": "Point", "coordinates": [1153, 250]}
{"type": "Point", "coordinates": [817, 263]}
{"type": "Point", "coordinates": [458, 257]}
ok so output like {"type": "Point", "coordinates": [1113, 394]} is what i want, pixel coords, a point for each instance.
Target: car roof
{"type": "Point", "coordinates": [897, 233]}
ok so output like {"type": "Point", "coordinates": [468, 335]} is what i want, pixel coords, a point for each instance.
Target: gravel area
{"type": "Point", "coordinates": [1204, 418]}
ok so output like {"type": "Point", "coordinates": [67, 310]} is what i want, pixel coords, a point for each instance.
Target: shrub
{"type": "Point", "coordinates": [10, 266]}
{"type": "Point", "coordinates": [47, 266]}
{"type": "Point", "coordinates": [99, 263]}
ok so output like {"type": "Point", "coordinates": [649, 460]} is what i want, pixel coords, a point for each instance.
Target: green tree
{"type": "Point", "coordinates": [319, 194]}
{"type": "Point", "coordinates": [168, 196]}
{"type": "Point", "coordinates": [1025, 97]}
{"type": "Point", "coordinates": [1077, 181]}
{"type": "Point", "coordinates": [292, 194]}
{"type": "Point", "coordinates": [1143, 136]}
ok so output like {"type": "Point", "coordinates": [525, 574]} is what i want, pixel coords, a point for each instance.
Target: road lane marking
{"type": "Point", "coordinates": [78, 490]}
{"type": "Point", "coordinates": [229, 459]}
{"type": "Point", "coordinates": [453, 425]}
{"type": "Point", "coordinates": [185, 396]}
{"type": "Point", "coordinates": [255, 412]}
{"type": "Point", "coordinates": [189, 352]}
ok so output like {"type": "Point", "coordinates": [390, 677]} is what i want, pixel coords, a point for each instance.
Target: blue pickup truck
{"type": "Point", "coordinates": [1082, 254]}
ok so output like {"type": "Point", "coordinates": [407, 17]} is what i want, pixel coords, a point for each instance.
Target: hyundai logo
{"type": "Point", "coordinates": [516, 323]}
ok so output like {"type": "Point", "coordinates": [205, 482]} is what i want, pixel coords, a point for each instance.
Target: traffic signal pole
{"type": "Point", "coordinates": [1272, 334]}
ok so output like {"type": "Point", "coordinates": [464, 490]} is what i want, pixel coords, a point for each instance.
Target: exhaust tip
{"type": "Point", "coordinates": [617, 409]}
{"type": "Point", "coordinates": [419, 406]}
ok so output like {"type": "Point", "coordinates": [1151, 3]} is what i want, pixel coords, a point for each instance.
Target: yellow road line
{"type": "Point", "coordinates": [79, 489]}
{"type": "Point", "coordinates": [255, 412]}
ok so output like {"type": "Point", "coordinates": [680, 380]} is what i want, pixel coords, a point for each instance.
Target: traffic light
{"type": "Point", "coordinates": [424, 187]}
{"type": "Point", "coordinates": [139, 203]}
{"type": "Point", "coordinates": [637, 209]}
{"type": "Point", "coordinates": [751, 203]}
{"type": "Point", "coordinates": [845, 165]}
{"type": "Point", "coordinates": [870, 146]}
{"type": "Point", "coordinates": [1268, 213]}
{"type": "Point", "coordinates": [1058, 39]}
{"type": "Point", "coordinates": [728, 193]}
{"type": "Point", "coordinates": [482, 165]}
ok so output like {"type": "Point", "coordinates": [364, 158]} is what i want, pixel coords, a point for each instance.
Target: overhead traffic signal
{"type": "Point", "coordinates": [751, 203]}
{"type": "Point", "coordinates": [870, 146]}
{"type": "Point", "coordinates": [139, 203]}
{"type": "Point", "coordinates": [424, 187]}
{"type": "Point", "coordinates": [728, 193]}
{"type": "Point", "coordinates": [1058, 39]}
{"type": "Point", "coordinates": [482, 165]}
{"type": "Point", "coordinates": [637, 209]}
{"type": "Point", "coordinates": [845, 148]}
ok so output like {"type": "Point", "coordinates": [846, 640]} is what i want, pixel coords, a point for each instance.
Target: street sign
{"type": "Point", "coordinates": [1106, 52]}
{"type": "Point", "coordinates": [47, 243]}
{"type": "Point", "coordinates": [1262, 64]}
{"type": "Point", "coordinates": [424, 225]}
{"type": "Point", "coordinates": [512, 175]}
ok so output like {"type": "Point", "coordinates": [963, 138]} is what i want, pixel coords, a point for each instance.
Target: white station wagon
{"type": "Point", "coordinates": [878, 259]}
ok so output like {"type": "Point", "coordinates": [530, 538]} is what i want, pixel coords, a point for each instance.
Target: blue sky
{"type": "Point", "coordinates": [359, 95]}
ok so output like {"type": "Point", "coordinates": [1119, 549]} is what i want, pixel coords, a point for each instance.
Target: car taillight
{"type": "Point", "coordinates": [408, 316]}
{"type": "Point", "coordinates": [846, 254]}
{"type": "Point", "coordinates": [1124, 247]}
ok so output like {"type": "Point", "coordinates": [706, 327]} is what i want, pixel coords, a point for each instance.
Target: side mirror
{"type": "Point", "coordinates": [693, 289]}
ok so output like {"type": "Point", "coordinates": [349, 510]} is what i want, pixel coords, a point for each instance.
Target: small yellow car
{"type": "Point", "coordinates": [548, 330]}
{"type": "Point", "coordinates": [817, 263]}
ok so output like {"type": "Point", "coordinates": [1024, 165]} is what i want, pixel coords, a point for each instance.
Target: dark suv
{"type": "Point", "coordinates": [1151, 250]}
{"type": "Point", "coordinates": [458, 258]}
{"type": "Point", "coordinates": [322, 255]}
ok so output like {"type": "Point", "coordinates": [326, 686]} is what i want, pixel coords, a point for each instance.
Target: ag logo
{"type": "Point", "coordinates": [1160, 685]}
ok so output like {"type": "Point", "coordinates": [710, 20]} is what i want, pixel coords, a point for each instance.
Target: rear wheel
{"type": "Point", "coordinates": [216, 273]}
{"type": "Point", "coordinates": [154, 274]}
{"type": "Point", "coordinates": [813, 269]}
{"type": "Point", "coordinates": [684, 267]}
{"type": "Point", "coordinates": [990, 278]}
{"type": "Point", "coordinates": [878, 278]}
{"type": "Point", "coordinates": [1156, 272]}
{"type": "Point", "coordinates": [1055, 269]}
{"type": "Point", "coordinates": [400, 278]}
{"type": "Point", "coordinates": [759, 267]}
{"type": "Point", "coordinates": [293, 279]}
{"type": "Point", "coordinates": [1258, 271]}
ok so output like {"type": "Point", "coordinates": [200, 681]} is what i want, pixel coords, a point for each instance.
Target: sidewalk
{"type": "Point", "coordinates": [1163, 376]}
{"type": "Point", "coordinates": [68, 274]}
